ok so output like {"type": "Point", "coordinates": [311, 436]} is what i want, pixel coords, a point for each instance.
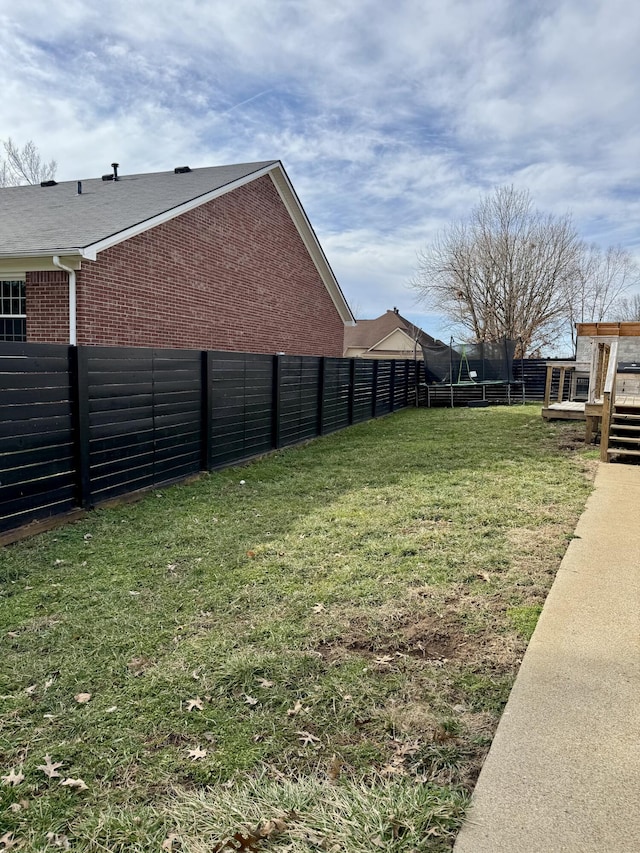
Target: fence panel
{"type": "Point", "coordinates": [120, 422]}
{"type": "Point", "coordinates": [242, 406]}
{"type": "Point", "coordinates": [362, 390]}
{"type": "Point", "coordinates": [177, 413]}
{"type": "Point", "coordinates": [37, 467]}
{"type": "Point", "coordinates": [299, 378]}
{"type": "Point", "coordinates": [383, 389]}
{"type": "Point", "coordinates": [337, 383]}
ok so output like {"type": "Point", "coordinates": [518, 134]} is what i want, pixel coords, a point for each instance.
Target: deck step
{"type": "Point", "coordinates": [622, 451]}
{"type": "Point", "coordinates": [627, 416]}
{"type": "Point", "coordinates": [627, 427]}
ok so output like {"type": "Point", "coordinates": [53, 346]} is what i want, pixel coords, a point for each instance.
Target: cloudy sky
{"type": "Point", "coordinates": [392, 117]}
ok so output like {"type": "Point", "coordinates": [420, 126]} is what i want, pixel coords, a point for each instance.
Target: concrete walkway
{"type": "Point", "coordinates": [563, 772]}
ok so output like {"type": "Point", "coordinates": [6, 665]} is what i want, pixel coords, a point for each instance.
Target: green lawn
{"type": "Point", "coordinates": [316, 647]}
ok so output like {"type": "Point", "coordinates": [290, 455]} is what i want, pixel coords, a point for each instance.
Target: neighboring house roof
{"type": "Point", "coordinates": [368, 334]}
{"type": "Point", "coordinates": [40, 222]}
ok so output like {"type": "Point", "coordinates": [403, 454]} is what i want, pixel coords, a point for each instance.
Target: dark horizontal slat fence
{"type": "Point", "coordinates": [38, 459]}
{"type": "Point", "coordinates": [81, 425]}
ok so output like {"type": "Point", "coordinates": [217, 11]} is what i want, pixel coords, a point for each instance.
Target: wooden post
{"type": "Point", "coordinates": [604, 429]}
{"type": "Point", "coordinates": [547, 387]}
{"type": "Point", "coordinates": [79, 377]}
{"type": "Point", "coordinates": [563, 371]}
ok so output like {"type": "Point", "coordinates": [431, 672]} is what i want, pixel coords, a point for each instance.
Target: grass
{"type": "Point", "coordinates": [316, 647]}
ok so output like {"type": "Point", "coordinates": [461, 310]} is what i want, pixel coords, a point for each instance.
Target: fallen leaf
{"type": "Point", "coordinates": [58, 840]}
{"type": "Point", "coordinates": [244, 840]}
{"type": "Point", "coordinates": [82, 698]}
{"type": "Point", "coordinates": [393, 770]}
{"type": "Point", "coordinates": [111, 709]}
{"type": "Point", "coordinates": [133, 592]}
{"type": "Point", "coordinates": [273, 827]}
{"type": "Point", "coordinates": [13, 778]}
{"type": "Point", "coordinates": [197, 753]}
{"type": "Point", "coordinates": [79, 784]}
{"type": "Point", "coordinates": [251, 553]}
{"type": "Point", "coordinates": [194, 703]}
{"type": "Point", "coordinates": [264, 682]}
{"type": "Point", "coordinates": [13, 634]}
{"type": "Point", "coordinates": [384, 659]}
{"type": "Point", "coordinates": [50, 768]}
{"type": "Point", "coordinates": [307, 739]}
{"type": "Point", "coordinates": [167, 844]}
{"type": "Point", "coordinates": [49, 683]}
{"type": "Point", "coordinates": [58, 562]}
{"type": "Point", "coordinates": [335, 766]}
{"type": "Point", "coordinates": [138, 666]}
{"type": "Point", "coordinates": [9, 842]}
{"type": "Point", "coordinates": [318, 608]}
{"type": "Point", "coordinates": [250, 700]}
{"type": "Point", "coordinates": [292, 712]}
{"type": "Point", "coordinates": [87, 537]}
{"type": "Point", "coordinates": [31, 690]}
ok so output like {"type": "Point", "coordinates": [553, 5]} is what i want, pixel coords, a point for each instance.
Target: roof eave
{"type": "Point", "coordinates": [309, 238]}
{"type": "Point", "coordinates": [40, 261]}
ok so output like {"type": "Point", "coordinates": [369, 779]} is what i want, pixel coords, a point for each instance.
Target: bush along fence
{"type": "Point", "coordinates": [82, 425]}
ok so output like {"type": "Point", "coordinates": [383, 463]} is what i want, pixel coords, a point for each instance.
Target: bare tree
{"type": "Point", "coordinates": [603, 279]}
{"type": "Point", "coordinates": [24, 165]}
{"type": "Point", "coordinates": [627, 309]}
{"type": "Point", "coordinates": [508, 271]}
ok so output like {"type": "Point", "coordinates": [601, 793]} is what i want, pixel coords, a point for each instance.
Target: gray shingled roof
{"type": "Point", "coordinates": [35, 219]}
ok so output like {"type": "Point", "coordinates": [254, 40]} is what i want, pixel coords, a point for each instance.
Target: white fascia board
{"type": "Point", "coordinates": [305, 230]}
{"type": "Point", "coordinates": [392, 332]}
{"type": "Point", "coordinates": [39, 262]}
{"type": "Point", "coordinates": [92, 250]}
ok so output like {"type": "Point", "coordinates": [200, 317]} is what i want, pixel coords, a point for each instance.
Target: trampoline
{"type": "Point", "coordinates": [484, 368]}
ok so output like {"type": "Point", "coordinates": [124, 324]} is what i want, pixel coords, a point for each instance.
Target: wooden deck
{"type": "Point", "coordinates": [567, 410]}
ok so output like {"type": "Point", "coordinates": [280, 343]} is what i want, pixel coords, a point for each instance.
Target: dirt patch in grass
{"type": "Point", "coordinates": [428, 638]}
{"type": "Point", "coordinates": [434, 638]}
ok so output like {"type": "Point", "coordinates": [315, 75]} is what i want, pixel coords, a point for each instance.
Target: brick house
{"type": "Point", "coordinates": [216, 258]}
{"type": "Point", "coordinates": [388, 336]}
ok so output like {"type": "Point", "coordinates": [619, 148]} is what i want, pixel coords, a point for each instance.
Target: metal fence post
{"type": "Point", "coordinates": [79, 382]}
{"type": "Point", "coordinates": [206, 408]}
{"type": "Point", "coordinates": [275, 410]}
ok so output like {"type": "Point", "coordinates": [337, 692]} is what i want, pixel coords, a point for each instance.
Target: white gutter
{"type": "Point", "coordinates": [72, 299]}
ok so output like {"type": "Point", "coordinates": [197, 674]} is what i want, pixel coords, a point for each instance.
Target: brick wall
{"type": "Point", "coordinates": [47, 307]}
{"type": "Point", "coordinates": [232, 274]}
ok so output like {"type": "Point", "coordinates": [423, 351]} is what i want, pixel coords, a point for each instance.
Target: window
{"type": "Point", "coordinates": [13, 311]}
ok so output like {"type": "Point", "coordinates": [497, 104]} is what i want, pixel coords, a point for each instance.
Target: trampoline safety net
{"type": "Point", "coordinates": [464, 364]}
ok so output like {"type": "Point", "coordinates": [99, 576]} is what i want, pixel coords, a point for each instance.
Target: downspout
{"type": "Point", "coordinates": [72, 299]}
